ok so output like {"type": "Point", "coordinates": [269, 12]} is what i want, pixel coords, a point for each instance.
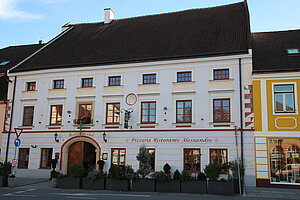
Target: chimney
{"type": "Point", "coordinates": [41, 42]}
{"type": "Point", "coordinates": [109, 15]}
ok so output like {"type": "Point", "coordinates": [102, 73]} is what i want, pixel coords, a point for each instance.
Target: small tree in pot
{"type": "Point", "coordinates": [119, 177]}
{"type": "Point", "coordinates": [95, 180]}
{"type": "Point", "coordinates": [164, 181]}
{"type": "Point", "coordinates": [5, 170]}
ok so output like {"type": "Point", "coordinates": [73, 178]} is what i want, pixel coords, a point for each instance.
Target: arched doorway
{"type": "Point", "coordinates": [81, 150]}
{"type": "Point", "coordinates": [82, 153]}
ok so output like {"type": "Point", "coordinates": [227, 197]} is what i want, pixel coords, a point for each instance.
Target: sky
{"type": "Point", "coordinates": [28, 21]}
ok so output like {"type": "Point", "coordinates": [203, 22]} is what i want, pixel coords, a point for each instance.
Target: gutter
{"type": "Point", "coordinates": [241, 117]}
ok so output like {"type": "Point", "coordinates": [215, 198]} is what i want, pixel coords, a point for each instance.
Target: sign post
{"type": "Point", "coordinates": [17, 143]}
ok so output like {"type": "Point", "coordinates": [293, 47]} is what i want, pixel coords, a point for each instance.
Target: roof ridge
{"type": "Point", "coordinates": [277, 31]}
{"type": "Point", "coordinates": [166, 13]}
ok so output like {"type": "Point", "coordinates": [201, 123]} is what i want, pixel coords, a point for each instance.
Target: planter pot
{"type": "Point", "coordinates": [54, 182]}
{"type": "Point", "coordinates": [169, 186]}
{"type": "Point", "coordinates": [69, 183]}
{"type": "Point", "coordinates": [220, 187]}
{"type": "Point", "coordinates": [117, 184]}
{"type": "Point", "coordinates": [3, 181]}
{"type": "Point", "coordinates": [98, 184]}
{"type": "Point", "coordinates": [194, 187]}
{"type": "Point", "coordinates": [11, 182]}
{"type": "Point", "coordinates": [143, 185]}
{"type": "Point", "coordinates": [237, 187]}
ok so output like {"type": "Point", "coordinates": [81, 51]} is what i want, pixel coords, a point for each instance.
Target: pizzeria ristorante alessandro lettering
{"type": "Point", "coordinates": [173, 140]}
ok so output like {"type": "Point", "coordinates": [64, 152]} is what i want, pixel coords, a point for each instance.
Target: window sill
{"type": "Point", "coordinates": [222, 80]}
{"type": "Point", "coordinates": [112, 126]}
{"type": "Point", "coordinates": [221, 124]}
{"type": "Point", "coordinates": [55, 89]}
{"type": "Point", "coordinates": [108, 86]}
{"type": "Point", "coordinates": [26, 127]}
{"type": "Point", "coordinates": [86, 87]}
{"type": "Point", "coordinates": [178, 82]}
{"type": "Point", "coordinates": [141, 84]}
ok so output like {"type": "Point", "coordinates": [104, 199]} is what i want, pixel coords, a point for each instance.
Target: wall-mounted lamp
{"type": "Point", "coordinates": [55, 137]}
{"type": "Point", "coordinates": [104, 137]}
{"type": "Point", "coordinates": [104, 156]}
{"type": "Point", "coordinates": [33, 146]}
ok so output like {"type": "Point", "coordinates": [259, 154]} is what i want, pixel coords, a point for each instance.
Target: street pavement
{"type": "Point", "coordinates": [28, 189]}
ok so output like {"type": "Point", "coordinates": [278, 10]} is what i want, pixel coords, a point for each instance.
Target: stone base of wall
{"type": "Point", "coordinates": [266, 183]}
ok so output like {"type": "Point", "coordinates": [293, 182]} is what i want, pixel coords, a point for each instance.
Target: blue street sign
{"type": "Point", "coordinates": [17, 142]}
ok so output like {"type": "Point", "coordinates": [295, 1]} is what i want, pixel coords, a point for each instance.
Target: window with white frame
{"type": "Point", "coordinates": [284, 98]}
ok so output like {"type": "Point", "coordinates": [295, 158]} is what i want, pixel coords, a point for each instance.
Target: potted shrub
{"type": "Point", "coordinates": [164, 182]}
{"type": "Point", "coordinates": [190, 184]}
{"type": "Point", "coordinates": [75, 180]}
{"type": "Point", "coordinates": [95, 180]}
{"type": "Point", "coordinates": [5, 170]}
{"type": "Point", "coordinates": [142, 183]}
{"type": "Point", "coordinates": [118, 178]}
{"type": "Point", "coordinates": [213, 171]}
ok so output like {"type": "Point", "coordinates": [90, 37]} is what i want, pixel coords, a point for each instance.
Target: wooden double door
{"type": "Point", "coordinates": [82, 153]}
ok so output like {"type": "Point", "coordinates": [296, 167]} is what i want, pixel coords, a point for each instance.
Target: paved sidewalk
{"type": "Point", "coordinates": [274, 193]}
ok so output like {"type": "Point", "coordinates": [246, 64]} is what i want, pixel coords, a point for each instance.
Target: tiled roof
{"type": "Point", "coordinates": [222, 30]}
{"type": "Point", "coordinates": [270, 51]}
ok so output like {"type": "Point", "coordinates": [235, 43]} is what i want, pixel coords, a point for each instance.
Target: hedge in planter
{"type": "Point", "coordinates": [5, 170]}
{"type": "Point", "coordinates": [193, 185]}
{"type": "Point", "coordinates": [118, 178]}
{"type": "Point", "coordinates": [142, 184]}
{"type": "Point", "coordinates": [75, 181]}
{"type": "Point", "coordinates": [95, 180]}
{"type": "Point", "coordinates": [164, 182]}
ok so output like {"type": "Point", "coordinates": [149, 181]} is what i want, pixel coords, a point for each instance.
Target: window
{"type": "Point", "coordinates": [118, 156]}
{"type": "Point", "coordinates": [30, 86]}
{"type": "Point", "coordinates": [28, 115]}
{"type": "Point", "coordinates": [221, 74]}
{"type": "Point", "coordinates": [184, 76]}
{"type": "Point", "coordinates": [183, 111]}
{"type": "Point", "coordinates": [284, 155]}
{"type": "Point", "coordinates": [218, 155]}
{"type": "Point", "coordinates": [191, 160]}
{"type": "Point", "coordinates": [46, 156]}
{"type": "Point", "coordinates": [114, 80]}
{"type": "Point", "coordinates": [87, 82]}
{"type": "Point", "coordinates": [151, 161]}
{"type": "Point", "coordinates": [148, 112]}
{"type": "Point", "coordinates": [85, 113]}
{"type": "Point", "coordinates": [149, 78]}
{"type": "Point", "coordinates": [23, 158]}
{"type": "Point", "coordinates": [293, 51]}
{"type": "Point", "coordinates": [112, 113]}
{"type": "Point", "coordinates": [58, 84]}
{"type": "Point", "coordinates": [284, 99]}
{"type": "Point", "coordinates": [56, 115]}
{"type": "Point", "coordinates": [221, 110]}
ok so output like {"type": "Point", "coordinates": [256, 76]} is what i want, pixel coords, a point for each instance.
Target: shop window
{"type": "Point", "coordinates": [151, 161]}
{"type": "Point", "coordinates": [23, 158]}
{"type": "Point", "coordinates": [58, 84]}
{"type": "Point", "coordinates": [30, 86]}
{"type": "Point", "coordinates": [221, 110]}
{"type": "Point", "coordinates": [284, 157]}
{"type": "Point", "coordinates": [149, 78]}
{"type": "Point", "coordinates": [46, 156]}
{"type": "Point", "coordinates": [284, 100]}
{"type": "Point", "coordinates": [112, 113]}
{"type": "Point", "coordinates": [28, 115]}
{"type": "Point", "coordinates": [118, 156]}
{"type": "Point", "coordinates": [114, 80]}
{"type": "Point", "coordinates": [148, 112]}
{"type": "Point", "coordinates": [184, 111]}
{"type": "Point", "coordinates": [87, 82]}
{"type": "Point", "coordinates": [184, 76]}
{"type": "Point", "coordinates": [85, 114]}
{"type": "Point", "coordinates": [191, 160]}
{"type": "Point", "coordinates": [221, 74]}
{"type": "Point", "coordinates": [56, 115]}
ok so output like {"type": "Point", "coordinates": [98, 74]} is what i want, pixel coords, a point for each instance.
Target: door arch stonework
{"type": "Point", "coordinates": [65, 150]}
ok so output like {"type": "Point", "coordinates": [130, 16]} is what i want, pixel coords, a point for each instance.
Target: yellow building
{"type": "Point", "coordinates": [276, 91]}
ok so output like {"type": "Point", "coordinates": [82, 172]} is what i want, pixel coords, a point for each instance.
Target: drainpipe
{"type": "Point", "coordinates": [11, 118]}
{"type": "Point", "coordinates": [241, 117]}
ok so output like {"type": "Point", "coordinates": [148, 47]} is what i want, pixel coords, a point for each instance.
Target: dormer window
{"type": "Point", "coordinates": [293, 51]}
{"type": "Point", "coordinates": [4, 62]}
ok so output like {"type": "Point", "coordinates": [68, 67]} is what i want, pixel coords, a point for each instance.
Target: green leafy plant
{"type": "Point", "coordinates": [233, 167]}
{"type": "Point", "coordinates": [161, 176]}
{"type": "Point", "coordinates": [213, 171]}
{"type": "Point", "coordinates": [78, 171]}
{"type": "Point", "coordinates": [167, 169]}
{"type": "Point", "coordinates": [176, 175]}
{"type": "Point", "coordinates": [186, 176]}
{"type": "Point", "coordinates": [201, 177]}
{"type": "Point", "coordinates": [96, 174]}
{"type": "Point", "coordinates": [143, 157]}
{"type": "Point", "coordinates": [121, 172]}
